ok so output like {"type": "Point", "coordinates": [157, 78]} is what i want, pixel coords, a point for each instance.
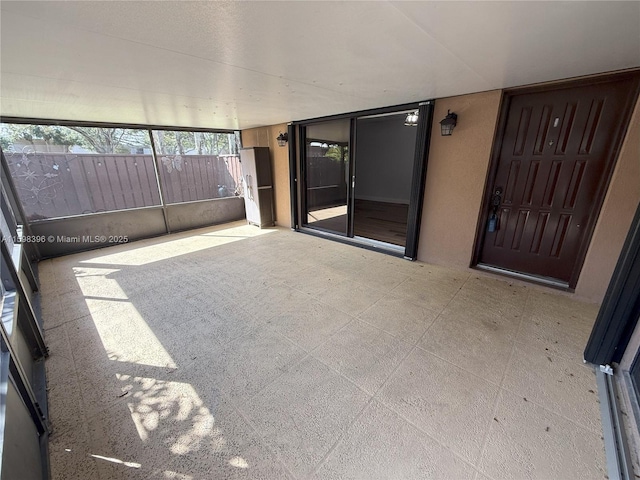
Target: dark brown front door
{"type": "Point", "coordinates": [557, 153]}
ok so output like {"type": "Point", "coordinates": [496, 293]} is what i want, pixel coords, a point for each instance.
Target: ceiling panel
{"type": "Point", "coordinates": [244, 64]}
{"type": "Point", "coordinates": [515, 43]}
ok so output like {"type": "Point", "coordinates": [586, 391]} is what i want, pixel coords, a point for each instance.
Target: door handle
{"type": "Point", "coordinates": [496, 200]}
{"type": "Point", "coordinates": [249, 188]}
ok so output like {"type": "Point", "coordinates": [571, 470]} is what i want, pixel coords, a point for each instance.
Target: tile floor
{"type": "Point", "coordinates": [235, 352]}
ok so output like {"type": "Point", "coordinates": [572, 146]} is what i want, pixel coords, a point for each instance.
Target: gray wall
{"type": "Point", "coordinates": [135, 224]}
{"type": "Point", "coordinates": [384, 159]}
{"type": "Point", "coordinates": [21, 457]}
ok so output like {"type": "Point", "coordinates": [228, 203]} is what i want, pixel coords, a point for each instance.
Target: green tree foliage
{"type": "Point", "coordinates": [337, 152]}
{"type": "Point", "coordinates": [5, 143]}
{"type": "Point", "coordinates": [50, 134]}
{"type": "Point", "coordinates": [111, 140]}
{"type": "Point", "coordinates": [98, 140]}
{"type": "Point", "coordinates": [199, 143]}
{"type": "Point", "coordinates": [119, 140]}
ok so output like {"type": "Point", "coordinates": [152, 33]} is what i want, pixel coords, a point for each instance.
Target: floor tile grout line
{"type": "Point", "coordinates": [549, 352]}
{"type": "Point", "coordinates": [287, 369]}
{"type": "Point", "coordinates": [493, 382]}
{"type": "Point", "coordinates": [265, 444]}
{"type": "Point", "coordinates": [342, 375]}
{"type": "Point", "coordinates": [77, 379]}
{"type": "Point", "coordinates": [554, 412]}
{"type": "Point", "coordinates": [75, 368]}
{"type": "Point", "coordinates": [413, 347]}
{"type": "Point", "coordinates": [459, 289]}
{"type": "Point", "coordinates": [84, 418]}
{"type": "Point", "coordinates": [355, 315]}
{"type": "Point", "coordinates": [371, 398]}
{"type": "Point", "coordinates": [371, 306]}
{"type": "Point", "coordinates": [395, 335]}
{"type": "Point", "coordinates": [326, 340]}
{"type": "Point", "coordinates": [106, 406]}
{"type": "Point", "coordinates": [506, 318]}
{"type": "Point", "coordinates": [473, 374]}
{"type": "Point", "coordinates": [341, 436]}
{"type": "Point", "coordinates": [515, 337]}
{"type": "Point", "coordinates": [494, 412]}
{"type": "Point", "coordinates": [397, 367]}
{"type": "Point", "coordinates": [518, 342]}
{"type": "Point", "coordinates": [525, 318]}
{"type": "Point", "coordinates": [439, 314]}
{"type": "Point", "coordinates": [446, 447]}
{"type": "Point", "coordinates": [389, 295]}
{"type": "Point", "coordinates": [309, 354]}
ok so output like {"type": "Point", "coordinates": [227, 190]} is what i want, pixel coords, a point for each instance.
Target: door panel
{"type": "Point", "coordinates": [383, 171]}
{"type": "Point", "coordinates": [554, 162]}
{"type": "Point", "coordinates": [248, 157]}
{"type": "Point", "coordinates": [327, 174]}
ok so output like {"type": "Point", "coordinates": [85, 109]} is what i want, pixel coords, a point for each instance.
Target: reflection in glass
{"type": "Point", "coordinates": [385, 151]}
{"type": "Point", "coordinates": [327, 175]}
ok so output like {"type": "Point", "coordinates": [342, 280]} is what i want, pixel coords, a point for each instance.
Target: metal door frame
{"type": "Point", "coordinates": [31, 389]}
{"type": "Point", "coordinates": [620, 307]}
{"type": "Point", "coordinates": [297, 179]}
{"type": "Point", "coordinates": [303, 181]}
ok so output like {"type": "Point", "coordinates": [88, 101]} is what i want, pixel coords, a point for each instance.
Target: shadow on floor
{"type": "Point", "coordinates": [235, 352]}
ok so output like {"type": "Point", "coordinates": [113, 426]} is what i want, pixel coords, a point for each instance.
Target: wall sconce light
{"type": "Point", "coordinates": [412, 119]}
{"type": "Point", "coordinates": [282, 139]}
{"type": "Point", "coordinates": [448, 124]}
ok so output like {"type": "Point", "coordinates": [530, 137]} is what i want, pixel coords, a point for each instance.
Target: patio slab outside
{"type": "Point", "coordinates": [235, 352]}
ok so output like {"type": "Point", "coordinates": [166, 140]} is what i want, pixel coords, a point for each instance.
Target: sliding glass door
{"type": "Point", "coordinates": [327, 169]}
{"type": "Point", "coordinates": [383, 171]}
{"type": "Point", "coordinates": [362, 176]}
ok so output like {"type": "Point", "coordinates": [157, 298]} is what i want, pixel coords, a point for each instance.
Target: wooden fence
{"type": "Point", "coordinates": [52, 185]}
{"type": "Point", "coordinates": [200, 177]}
{"type": "Point", "coordinates": [326, 183]}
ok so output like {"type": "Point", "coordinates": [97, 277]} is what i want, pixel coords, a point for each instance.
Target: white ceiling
{"type": "Point", "coordinates": [245, 64]}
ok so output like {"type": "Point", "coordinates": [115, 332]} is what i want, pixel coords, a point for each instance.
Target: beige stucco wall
{"type": "Point", "coordinates": [456, 175]}
{"type": "Point", "coordinates": [615, 218]}
{"type": "Point", "coordinates": [266, 137]}
{"type": "Point", "coordinates": [455, 181]}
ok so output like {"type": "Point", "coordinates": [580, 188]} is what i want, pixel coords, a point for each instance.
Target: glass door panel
{"type": "Point", "coordinates": [384, 160]}
{"type": "Point", "coordinates": [327, 173]}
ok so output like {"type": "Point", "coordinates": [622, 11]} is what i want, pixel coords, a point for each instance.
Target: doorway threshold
{"type": "Point", "coordinates": [546, 281]}
{"type": "Point", "coordinates": [362, 242]}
